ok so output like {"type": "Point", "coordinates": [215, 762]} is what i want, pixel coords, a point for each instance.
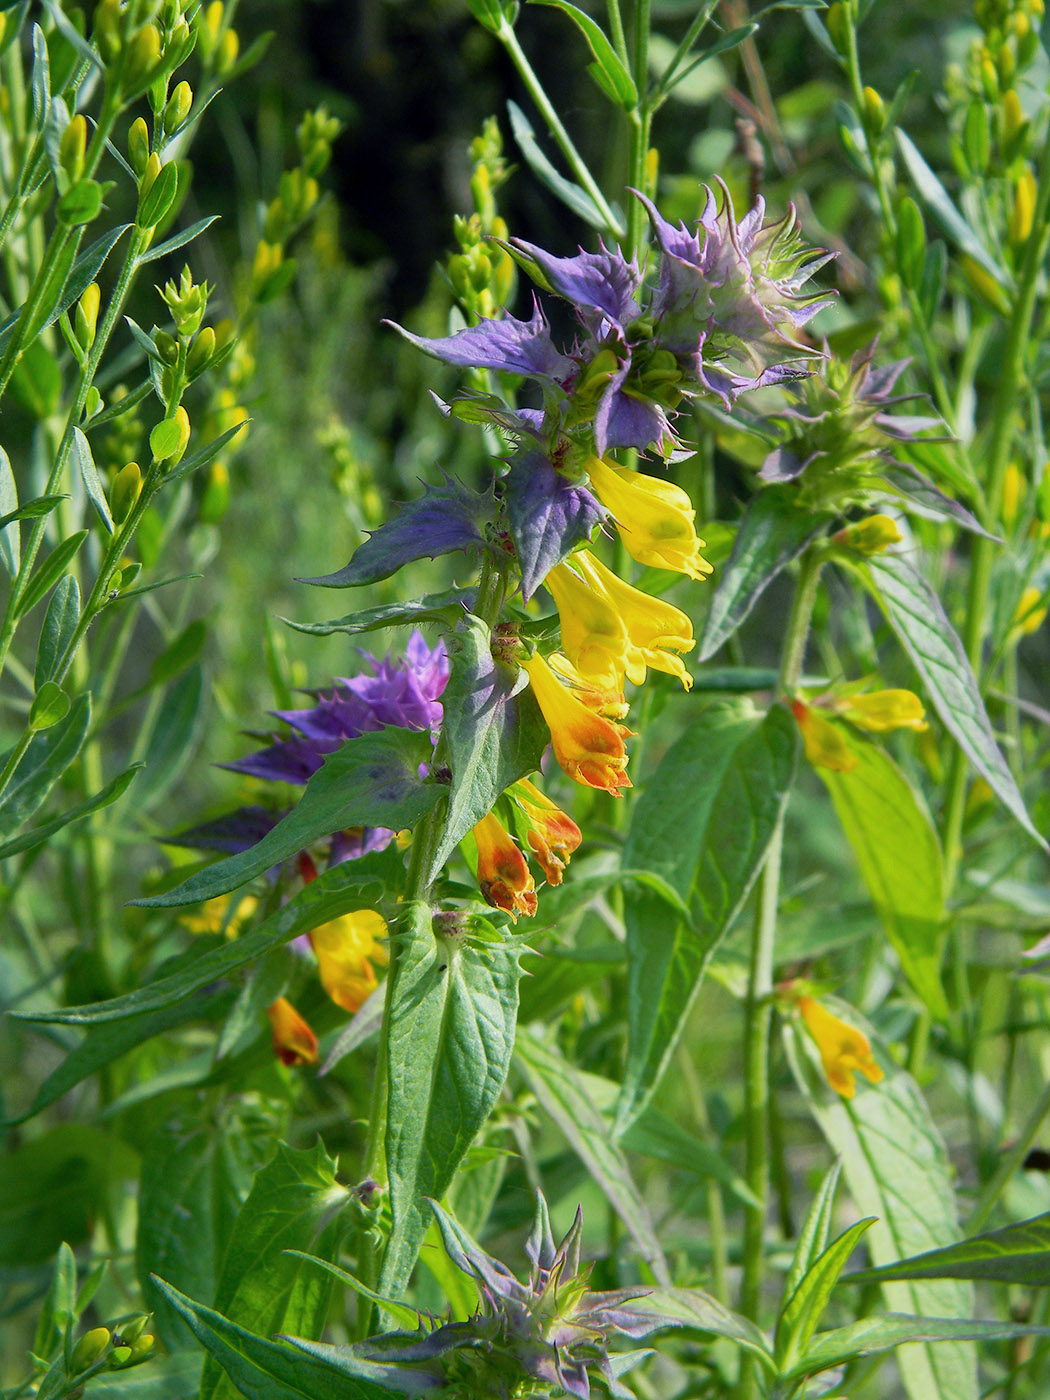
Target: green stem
{"type": "Point", "coordinates": [1010, 1163]}
{"type": "Point", "coordinates": [1004, 427]}
{"type": "Point", "coordinates": [616, 33]}
{"type": "Point", "coordinates": [641, 121]}
{"type": "Point", "coordinates": [565, 143]}
{"type": "Point", "coordinates": [14, 758]}
{"type": "Point", "coordinates": [759, 1003]}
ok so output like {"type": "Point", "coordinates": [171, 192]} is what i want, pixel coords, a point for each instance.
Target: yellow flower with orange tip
{"type": "Point", "coordinates": [294, 1042]}
{"type": "Point", "coordinates": [503, 872]}
{"type": "Point", "coordinates": [346, 949]}
{"type": "Point", "coordinates": [824, 745]}
{"type": "Point", "coordinates": [552, 834]}
{"type": "Point", "coordinates": [882, 711]}
{"type": "Point", "coordinates": [654, 517]}
{"type": "Point", "coordinates": [603, 700]}
{"type": "Point", "coordinates": [589, 747]}
{"type": "Point", "coordinates": [844, 1050]}
{"type": "Point", "coordinates": [610, 629]}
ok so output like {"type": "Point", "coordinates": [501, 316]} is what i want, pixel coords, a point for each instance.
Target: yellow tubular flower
{"type": "Point", "coordinates": [589, 747]}
{"type": "Point", "coordinates": [503, 872]}
{"type": "Point", "coordinates": [603, 700]}
{"type": "Point", "coordinates": [222, 915]}
{"type": "Point", "coordinates": [345, 949]}
{"type": "Point", "coordinates": [592, 633]}
{"type": "Point", "coordinates": [655, 629]}
{"type": "Point", "coordinates": [654, 517]}
{"type": "Point", "coordinates": [882, 711]}
{"type": "Point", "coordinates": [844, 1050]}
{"type": "Point", "coordinates": [825, 747]}
{"type": "Point", "coordinates": [552, 835]}
{"type": "Point", "coordinates": [294, 1042]}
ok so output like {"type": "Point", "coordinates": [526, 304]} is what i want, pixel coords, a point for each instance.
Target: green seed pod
{"type": "Point", "coordinates": [976, 137]}
{"type": "Point", "coordinates": [911, 244]}
{"type": "Point", "coordinates": [89, 1348]}
{"type": "Point", "coordinates": [200, 352]}
{"type": "Point", "coordinates": [838, 21]}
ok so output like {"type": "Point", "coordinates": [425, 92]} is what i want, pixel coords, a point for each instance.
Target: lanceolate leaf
{"type": "Point", "coordinates": [265, 1370]}
{"type": "Point", "coordinates": [900, 859]}
{"type": "Point", "coordinates": [772, 533]}
{"type": "Point", "coordinates": [562, 1092]}
{"type": "Point", "coordinates": [703, 822]}
{"type": "Point", "coordinates": [446, 608]}
{"type": "Point", "coordinates": [570, 194]}
{"type": "Point", "coordinates": [261, 1288]}
{"type": "Point", "coordinates": [492, 728]}
{"type": "Point", "coordinates": [338, 891]}
{"type": "Point", "coordinates": [452, 1014]}
{"type": "Point", "coordinates": [60, 621]}
{"type": "Point", "coordinates": [896, 1168]}
{"type": "Point", "coordinates": [916, 615]}
{"type": "Point", "coordinates": [372, 780]}
{"type": "Point", "coordinates": [1015, 1254]}
{"type": "Point", "coordinates": [690, 1307]}
{"type": "Point", "coordinates": [870, 1334]}
{"type": "Point", "coordinates": [611, 76]}
{"type": "Point", "coordinates": [805, 1307]}
{"type": "Point", "coordinates": [47, 758]}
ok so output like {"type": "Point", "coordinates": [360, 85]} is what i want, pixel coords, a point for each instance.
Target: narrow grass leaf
{"type": "Point", "coordinates": [171, 740]}
{"type": "Point", "coordinates": [444, 608]}
{"type": "Point", "coordinates": [570, 194]}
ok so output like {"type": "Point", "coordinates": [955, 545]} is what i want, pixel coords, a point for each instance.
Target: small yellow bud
{"type": "Point", "coordinates": [1013, 115]}
{"type": "Point", "coordinates": [229, 47]}
{"type": "Point", "coordinates": [1013, 494]}
{"type": "Point", "coordinates": [985, 285]}
{"type": "Point", "coordinates": [138, 146]}
{"type": "Point", "coordinates": [1023, 211]}
{"type": "Point", "coordinates": [213, 20]}
{"type": "Point", "coordinates": [874, 112]}
{"type": "Point", "coordinates": [89, 1349]}
{"type": "Point", "coordinates": [125, 491]}
{"type": "Point", "coordinates": [268, 258]}
{"type": "Point", "coordinates": [215, 498]}
{"type": "Point", "coordinates": [1030, 614]}
{"type": "Point", "coordinates": [179, 105]}
{"type": "Point", "coordinates": [144, 53]}
{"type": "Point", "coordinates": [989, 78]}
{"type": "Point", "coordinates": [200, 352]}
{"type": "Point", "coordinates": [838, 24]}
{"type": "Point", "coordinates": [108, 29]}
{"type": "Point", "coordinates": [87, 315]}
{"type": "Point", "coordinates": [870, 536]}
{"type": "Point", "coordinates": [149, 175]}
{"type": "Point", "coordinates": [979, 796]}
{"type": "Point", "coordinates": [72, 148]}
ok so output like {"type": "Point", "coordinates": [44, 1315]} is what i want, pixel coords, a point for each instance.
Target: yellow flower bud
{"type": "Point", "coordinates": [213, 20]}
{"type": "Point", "coordinates": [294, 1043]}
{"type": "Point", "coordinates": [144, 53]}
{"type": "Point", "coordinates": [1030, 614]}
{"type": "Point", "coordinates": [138, 147]}
{"type": "Point", "coordinates": [229, 47]}
{"type": "Point", "coordinates": [1023, 210]}
{"type": "Point", "coordinates": [72, 148]}
{"type": "Point", "coordinates": [179, 105]}
{"type": "Point", "coordinates": [874, 112]}
{"type": "Point", "coordinates": [89, 1349]}
{"type": "Point", "coordinates": [823, 742]}
{"type": "Point", "coordinates": [1013, 115]}
{"type": "Point", "coordinates": [149, 175]}
{"type": "Point", "coordinates": [883, 711]}
{"type": "Point", "coordinates": [870, 536]}
{"type": "Point", "coordinates": [86, 316]}
{"type": "Point", "coordinates": [125, 491]}
{"type": "Point", "coordinates": [1013, 494]}
{"type": "Point", "coordinates": [985, 285]}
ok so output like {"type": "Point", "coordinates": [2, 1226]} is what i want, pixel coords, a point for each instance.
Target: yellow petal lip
{"type": "Point", "coordinates": [552, 835]}
{"type": "Point", "coordinates": [883, 711]}
{"type": "Point", "coordinates": [844, 1050]}
{"type": "Point", "coordinates": [347, 949]}
{"type": "Point", "coordinates": [294, 1042]}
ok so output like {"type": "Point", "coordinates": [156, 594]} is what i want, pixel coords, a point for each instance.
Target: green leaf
{"type": "Point", "coordinates": [50, 571]}
{"type": "Point", "coordinates": [165, 1378]}
{"type": "Point", "coordinates": [177, 241]}
{"type": "Point", "coordinates": [561, 1092]}
{"type": "Point", "coordinates": [109, 1041]}
{"type": "Point", "coordinates": [957, 229]}
{"type": "Point", "coordinates": [813, 1238]}
{"type": "Point", "coordinates": [171, 741]}
{"type": "Point", "coordinates": [492, 728]}
{"type": "Point", "coordinates": [692, 1308]}
{"type": "Point", "coordinates": [845, 1344]}
{"type": "Point", "coordinates": [337, 891]}
{"type": "Point", "coordinates": [10, 540]}
{"type": "Point", "coordinates": [371, 781]}
{"type": "Point", "coordinates": [60, 622]}
{"type": "Point", "coordinates": [263, 1370]}
{"type": "Point", "coordinates": [445, 608]}
{"type": "Point", "coordinates": [577, 199]}
{"type": "Point", "coordinates": [896, 1168]}
{"type": "Point", "coordinates": [41, 505]}
{"type": "Point", "coordinates": [160, 196]}
{"type": "Point", "coordinates": [915, 613]}
{"type": "Point", "coordinates": [165, 437]}
{"type": "Point", "coordinates": [46, 759]}
{"type": "Point", "coordinates": [611, 75]}
{"type": "Point", "coordinates": [50, 704]}
{"type": "Point", "coordinates": [90, 477]}
{"type": "Point", "coordinates": [451, 1032]}
{"type": "Point", "coordinates": [261, 1288]}
{"type": "Point", "coordinates": [181, 652]}
{"type": "Point", "coordinates": [899, 855]}
{"type": "Point", "coordinates": [80, 204]}
{"type": "Point", "coordinates": [204, 456]}
{"type": "Point", "coordinates": [403, 1314]}
{"type": "Point", "coordinates": [1015, 1254]}
{"type": "Point", "coordinates": [804, 1309]}
{"type": "Point", "coordinates": [187, 1204]}
{"type": "Point", "coordinates": [772, 532]}
{"type": "Point", "coordinates": [52, 302]}
{"type": "Point", "coordinates": [703, 823]}
{"type": "Point", "coordinates": [29, 840]}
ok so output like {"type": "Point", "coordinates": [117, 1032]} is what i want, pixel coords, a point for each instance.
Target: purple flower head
{"type": "Point", "coordinates": [520, 347]}
{"type": "Point", "coordinates": [604, 283]}
{"type": "Point", "coordinates": [732, 291]}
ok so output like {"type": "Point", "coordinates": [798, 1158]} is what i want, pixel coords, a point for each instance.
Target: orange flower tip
{"type": "Point", "coordinates": [294, 1043]}
{"type": "Point", "coordinates": [512, 902]}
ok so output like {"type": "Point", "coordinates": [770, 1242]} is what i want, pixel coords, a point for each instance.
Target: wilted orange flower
{"type": "Point", "coordinates": [844, 1050]}
{"type": "Point", "coordinates": [589, 747]}
{"type": "Point", "coordinates": [346, 949]}
{"type": "Point", "coordinates": [552, 834]}
{"type": "Point", "coordinates": [293, 1041]}
{"type": "Point", "coordinates": [503, 872]}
